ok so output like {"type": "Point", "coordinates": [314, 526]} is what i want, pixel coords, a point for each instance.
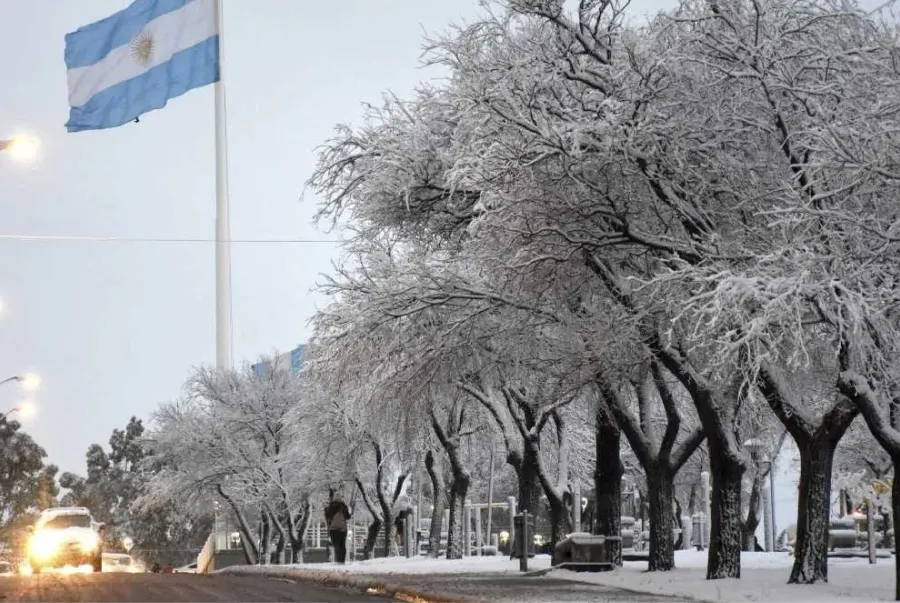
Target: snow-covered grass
{"type": "Point", "coordinates": [417, 565]}
{"type": "Point", "coordinates": [763, 578]}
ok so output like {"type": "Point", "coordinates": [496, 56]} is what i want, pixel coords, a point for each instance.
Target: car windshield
{"type": "Point", "coordinates": [60, 522]}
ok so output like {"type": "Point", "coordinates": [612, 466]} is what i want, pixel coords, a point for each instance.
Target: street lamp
{"type": "Point", "coordinates": [25, 409]}
{"type": "Point", "coordinates": [20, 148]}
{"type": "Point", "coordinates": [29, 381]}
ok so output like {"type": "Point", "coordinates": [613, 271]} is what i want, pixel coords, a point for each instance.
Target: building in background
{"type": "Point", "coordinates": [292, 361]}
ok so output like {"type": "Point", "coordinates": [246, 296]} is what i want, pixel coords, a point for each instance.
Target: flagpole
{"type": "Point", "coordinates": [223, 229]}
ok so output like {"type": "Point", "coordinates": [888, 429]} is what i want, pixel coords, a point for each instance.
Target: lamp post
{"type": "Point", "coordinates": [26, 409]}
{"type": "Point", "coordinates": [29, 381]}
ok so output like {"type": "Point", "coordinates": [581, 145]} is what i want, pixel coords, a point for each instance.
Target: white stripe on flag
{"type": "Point", "coordinates": [170, 33]}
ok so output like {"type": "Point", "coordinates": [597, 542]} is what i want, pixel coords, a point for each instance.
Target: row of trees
{"type": "Point", "coordinates": [686, 227]}
{"type": "Point", "coordinates": [114, 482]}
{"type": "Point", "coordinates": [676, 236]}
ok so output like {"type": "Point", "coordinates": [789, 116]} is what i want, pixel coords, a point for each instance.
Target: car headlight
{"type": "Point", "coordinates": [89, 542]}
{"type": "Point", "coordinates": [43, 545]}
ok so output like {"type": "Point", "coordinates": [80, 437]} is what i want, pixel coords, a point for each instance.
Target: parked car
{"type": "Point", "coordinates": [120, 563]}
{"type": "Point", "coordinates": [190, 568]}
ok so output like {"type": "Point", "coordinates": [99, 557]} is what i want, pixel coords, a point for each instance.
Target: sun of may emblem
{"type": "Point", "coordinates": [142, 48]}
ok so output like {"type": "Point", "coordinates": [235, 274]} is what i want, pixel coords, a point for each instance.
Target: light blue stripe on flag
{"type": "Point", "coordinates": [88, 44]}
{"type": "Point", "coordinates": [192, 68]}
{"type": "Point", "coordinates": [138, 59]}
{"type": "Point", "coordinates": [260, 369]}
{"type": "Point", "coordinates": [297, 359]}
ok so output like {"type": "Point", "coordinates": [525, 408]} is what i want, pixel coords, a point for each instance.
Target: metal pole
{"type": "Point", "coordinates": [705, 505]}
{"type": "Point", "coordinates": [479, 537]}
{"type": "Point", "coordinates": [223, 228]}
{"type": "Point", "coordinates": [523, 560]}
{"type": "Point", "coordinates": [767, 518]}
{"type": "Point", "coordinates": [467, 529]}
{"type": "Point", "coordinates": [772, 502]}
{"type": "Point", "coordinates": [576, 508]}
{"type": "Point", "coordinates": [870, 531]}
{"type": "Point", "coordinates": [511, 502]}
{"type": "Point", "coordinates": [490, 511]}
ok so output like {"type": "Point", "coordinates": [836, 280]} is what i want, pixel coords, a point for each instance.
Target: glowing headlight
{"type": "Point", "coordinates": [89, 542]}
{"type": "Point", "coordinates": [43, 545]}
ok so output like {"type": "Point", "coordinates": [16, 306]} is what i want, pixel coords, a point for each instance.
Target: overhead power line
{"type": "Point", "coordinates": [90, 239]}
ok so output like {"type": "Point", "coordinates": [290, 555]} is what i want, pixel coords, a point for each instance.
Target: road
{"type": "Point", "coordinates": [168, 587]}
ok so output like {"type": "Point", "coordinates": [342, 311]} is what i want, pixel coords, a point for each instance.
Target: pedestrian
{"type": "Point", "coordinates": [337, 514]}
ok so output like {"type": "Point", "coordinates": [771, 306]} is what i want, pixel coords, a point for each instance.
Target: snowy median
{"type": "Point", "coordinates": [763, 578]}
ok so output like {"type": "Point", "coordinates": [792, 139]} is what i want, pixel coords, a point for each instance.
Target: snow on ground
{"type": "Point", "coordinates": [419, 565]}
{"type": "Point", "coordinates": [763, 578]}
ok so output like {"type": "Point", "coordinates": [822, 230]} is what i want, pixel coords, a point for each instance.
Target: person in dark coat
{"type": "Point", "coordinates": [337, 514]}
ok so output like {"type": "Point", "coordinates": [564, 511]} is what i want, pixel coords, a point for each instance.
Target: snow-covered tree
{"type": "Point", "coordinates": [232, 437]}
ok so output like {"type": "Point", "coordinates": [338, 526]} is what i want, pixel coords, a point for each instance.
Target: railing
{"type": "Point", "coordinates": [207, 554]}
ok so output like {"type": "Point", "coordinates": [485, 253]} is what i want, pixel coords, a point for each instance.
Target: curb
{"type": "Point", "coordinates": [366, 584]}
{"type": "Point", "coordinates": [630, 589]}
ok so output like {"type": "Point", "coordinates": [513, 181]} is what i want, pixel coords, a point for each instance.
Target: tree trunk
{"type": "Point", "coordinates": [813, 511]}
{"type": "Point", "coordinates": [296, 532]}
{"type": "Point", "coordinates": [752, 521]}
{"type": "Point", "coordinates": [459, 490]}
{"type": "Point", "coordinates": [280, 547]}
{"type": "Point", "coordinates": [661, 492]}
{"type": "Point", "coordinates": [390, 533]}
{"type": "Point", "coordinates": [265, 539]}
{"type": "Point", "coordinates": [608, 482]}
{"type": "Point", "coordinates": [439, 498]}
{"type": "Point", "coordinates": [529, 482]}
{"type": "Point", "coordinates": [725, 521]}
{"type": "Point", "coordinates": [559, 522]}
{"type": "Point", "coordinates": [248, 542]}
{"type": "Point", "coordinates": [372, 538]}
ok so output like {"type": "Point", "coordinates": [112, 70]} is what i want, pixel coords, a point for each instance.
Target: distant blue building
{"type": "Point", "coordinates": [292, 360]}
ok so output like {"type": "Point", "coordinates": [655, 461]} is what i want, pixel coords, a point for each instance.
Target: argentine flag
{"type": "Point", "coordinates": [136, 60]}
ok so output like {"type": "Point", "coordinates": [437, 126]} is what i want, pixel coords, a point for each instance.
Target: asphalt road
{"type": "Point", "coordinates": [168, 587]}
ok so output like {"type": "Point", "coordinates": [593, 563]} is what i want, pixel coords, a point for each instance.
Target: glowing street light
{"type": "Point", "coordinates": [30, 381]}
{"type": "Point", "coordinates": [25, 409]}
{"type": "Point", "coordinates": [20, 148]}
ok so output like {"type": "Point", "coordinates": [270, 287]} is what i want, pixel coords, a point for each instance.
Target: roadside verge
{"type": "Point", "coordinates": [369, 583]}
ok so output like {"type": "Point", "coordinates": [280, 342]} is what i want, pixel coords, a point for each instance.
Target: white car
{"type": "Point", "coordinates": [65, 536]}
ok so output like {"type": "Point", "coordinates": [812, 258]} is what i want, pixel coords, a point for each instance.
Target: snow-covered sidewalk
{"type": "Point", "coordinates": [417, 565]}
{"type": "Point", "coordinates": [493, 579]}
{"type": "Point", "coordinates": [763, 578]}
